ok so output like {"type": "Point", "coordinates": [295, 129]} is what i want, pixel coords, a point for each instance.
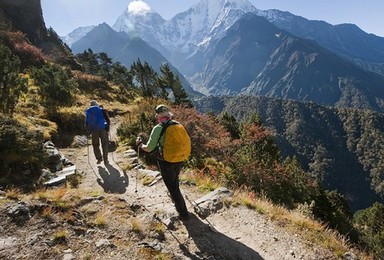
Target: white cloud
{"type": "Point", "coordinates": [138, 8]}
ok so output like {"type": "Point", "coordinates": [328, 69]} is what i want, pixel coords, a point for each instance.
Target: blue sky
{"type": "Point", "coordinates": [66, 15]}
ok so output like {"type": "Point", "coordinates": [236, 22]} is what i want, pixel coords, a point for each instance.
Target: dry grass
{"type": "Point", "coordinates": [151, 254]}
{"type": "Point", "coordinates": [13, 194]}
{"type": "Point", "coordinates": [101, 219]}
{"type": "Point", "coordinates": [204, 183]}
{"type": "Point", "coordinates": [34, 116]}
{"type": "Point", "coordinates": [136, 225]}
{"type": "Point", "coordinates": [60, 237]}
{"type": "Point", "coordinates": [147, 180]}
{"type": "Point", "coordinates": [296, 223]}
{"type": "Point", "coordinates": [47, 213]}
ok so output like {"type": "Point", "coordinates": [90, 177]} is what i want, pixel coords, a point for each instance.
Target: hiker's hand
{"type": "Point", "coordinates": [139, 141]}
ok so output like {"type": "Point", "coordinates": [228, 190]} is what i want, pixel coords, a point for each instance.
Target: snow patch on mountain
{"type": "Point", "coordinates": [77, 34]}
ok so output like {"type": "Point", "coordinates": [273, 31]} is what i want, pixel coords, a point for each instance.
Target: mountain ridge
{"type": "Point", "coordinates": [274, 63]}
{"type": "Point", "coordinates": [322, 32]}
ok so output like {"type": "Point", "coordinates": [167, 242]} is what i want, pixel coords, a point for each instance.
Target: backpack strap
{"type": "Point", "coordinates": [165, 126]}
{"type": "Point", "coordinates": [159, 147]}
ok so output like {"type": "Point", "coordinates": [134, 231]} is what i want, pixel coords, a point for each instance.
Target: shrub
{"type": "Point", "coordinates": [21, 153]}
{"type": "Point", "coordinates": [70, 122]}
{"type": "Point", "coordinates": [56, 85]}
{"type": "Point", "coordinates": [370, 223]}
{"type": "Point", "coordinates": [208, 137]}
{"type": "Point", "coordinates": [11, 83]}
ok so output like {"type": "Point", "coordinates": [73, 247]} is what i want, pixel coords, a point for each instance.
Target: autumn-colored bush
{"type": "Point", "coordinates": [208, 137]}
{"type": "Point", "coordinates": [28, 54]}
{"type": "Point", "coordinates": [255, 163]}
{"type": "Point", "coordinates": [88, 82]}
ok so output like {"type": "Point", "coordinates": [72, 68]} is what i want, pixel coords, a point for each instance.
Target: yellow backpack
{"type": "Point", "coordinates": [177, 144]}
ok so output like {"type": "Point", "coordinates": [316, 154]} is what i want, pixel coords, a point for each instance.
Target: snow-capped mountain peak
{"type": "Point", "coordinates": [187, 30]}
{"type": "Point", "coordinates": [136, 17]}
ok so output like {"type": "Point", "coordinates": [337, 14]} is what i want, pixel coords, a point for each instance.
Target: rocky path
{"type": "Point", "coordinates": [114, 216]}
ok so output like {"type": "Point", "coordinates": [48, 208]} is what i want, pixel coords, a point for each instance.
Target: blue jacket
{"type": "Point", "coordinates": [94, 119]}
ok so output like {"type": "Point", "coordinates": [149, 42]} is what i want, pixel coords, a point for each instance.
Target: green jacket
{"type": "Point", "coordinates": [154, 137]}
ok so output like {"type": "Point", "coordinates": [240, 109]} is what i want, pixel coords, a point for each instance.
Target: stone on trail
{"type": "Point", "coordinates": [212, 202]}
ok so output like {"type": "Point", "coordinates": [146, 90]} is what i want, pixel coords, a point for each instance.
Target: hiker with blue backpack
{"type": "Point", "coordinates": [174, 146]}
{"type": "Point", "coordinates": [97, 125]}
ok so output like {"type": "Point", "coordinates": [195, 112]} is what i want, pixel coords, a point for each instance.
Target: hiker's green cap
{"type": "Point", "coordinates": [161, 109]}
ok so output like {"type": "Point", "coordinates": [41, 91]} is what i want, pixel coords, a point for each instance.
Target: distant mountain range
{"type": "Point", "coordinates": [346, 40]}
{"type": "Point", "coordinates": [126, 50]}
{"type": "Point", "coordinates": [228, 47]}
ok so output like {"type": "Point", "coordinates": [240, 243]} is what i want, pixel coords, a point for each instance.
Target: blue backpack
{"type": "Point", "coordinates": [95, 119]}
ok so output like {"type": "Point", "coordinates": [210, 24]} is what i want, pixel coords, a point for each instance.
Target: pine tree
{"type": "Point", "coordinates": [105, 65]}
{"type": "Point", "coordinates": [145, 78]}
{"type": "Point", "coordinates": [230, 124]}
{"type": "Point", "coordinates": [168, 80]}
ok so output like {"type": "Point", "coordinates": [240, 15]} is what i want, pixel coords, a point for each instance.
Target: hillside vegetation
{"type": "Point", "coordinates": [342, 148]}
{"type": "Point", "coordinates": [42, 100]}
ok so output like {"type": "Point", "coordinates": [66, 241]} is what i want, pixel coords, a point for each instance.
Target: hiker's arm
{"type": "Point", "coordinates": [153, 139]}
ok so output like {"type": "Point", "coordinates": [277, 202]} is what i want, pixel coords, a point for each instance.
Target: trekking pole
{"type": "Point", "coordinates": [196, 206]}
{"type": "Point", "coordinates": [137, 169]}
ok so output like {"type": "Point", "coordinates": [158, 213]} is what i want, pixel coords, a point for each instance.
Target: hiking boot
{"type": "Point", "coordinates": [106, 162]}
{"type": "Point", "coordinates": [99, 161]}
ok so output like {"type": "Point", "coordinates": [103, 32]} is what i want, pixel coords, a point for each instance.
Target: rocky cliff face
{"type": "Point", "coordinates": [27, 16]}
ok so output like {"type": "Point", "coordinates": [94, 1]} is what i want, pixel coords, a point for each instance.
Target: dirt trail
{"type": "Point", "coordinates": [231, 233]}
{"type": "Point", "coordinates": [140, 222]}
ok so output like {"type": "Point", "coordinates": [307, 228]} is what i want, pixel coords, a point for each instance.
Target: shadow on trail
{"type": "Point", "coordinates": [214, 244]}
{"type": "Point", "coordinates": [111, 179]}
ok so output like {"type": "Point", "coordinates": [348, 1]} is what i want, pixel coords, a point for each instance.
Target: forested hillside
{"type": "Point", "coordinates": [342, 147]}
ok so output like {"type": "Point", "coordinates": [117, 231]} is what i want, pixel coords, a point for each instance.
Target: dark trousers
{"type": "Point", "coordinates": [170, 173]}
{"type": "Point", "coordinates": [97, 137]}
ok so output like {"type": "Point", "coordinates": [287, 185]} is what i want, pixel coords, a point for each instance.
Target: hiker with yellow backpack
{"type": "Point", "coordinates": [174, 146]}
